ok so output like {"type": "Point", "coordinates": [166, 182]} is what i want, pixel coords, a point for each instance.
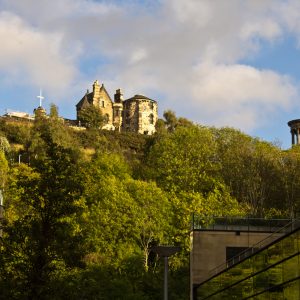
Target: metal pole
{"type": "Point", "coordinates": [166, 279]}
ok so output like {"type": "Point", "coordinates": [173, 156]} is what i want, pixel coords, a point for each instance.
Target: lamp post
{"type": "Point", "coordinates": [1, 211]}
{"type": "Point", "coordinates": [165, 252]}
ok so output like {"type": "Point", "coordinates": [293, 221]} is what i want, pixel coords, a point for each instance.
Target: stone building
{"type": "Point", "coordinates": [99, 97]}
{"type": "Point", "coordinates": [295, 131]}
{"type": "Point", "coordinates": [137, 114]}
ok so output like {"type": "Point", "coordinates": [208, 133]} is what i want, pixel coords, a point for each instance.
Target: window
{"type": "Point", "coordinates": [102, 104]}
{"type": "Point", "coordinates": [151, 119]}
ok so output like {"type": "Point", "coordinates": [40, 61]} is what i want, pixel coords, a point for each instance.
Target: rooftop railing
{"type": "Point", "coordinates": [238, 224]}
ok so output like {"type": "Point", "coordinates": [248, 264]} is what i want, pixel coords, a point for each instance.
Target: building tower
{"type": "Point", "coordinates": [118, 110]}
{"type": "Point", "coordinates": [295, 131]}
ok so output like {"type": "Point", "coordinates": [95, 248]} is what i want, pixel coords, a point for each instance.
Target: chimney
{"type": "Point", "coordinates": [118, 96]}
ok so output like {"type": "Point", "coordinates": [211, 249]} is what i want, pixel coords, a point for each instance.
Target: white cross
{"type": "Point", "coordinates": [40, 97]}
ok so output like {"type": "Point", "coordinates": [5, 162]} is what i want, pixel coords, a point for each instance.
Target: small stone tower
{"type": "Point", "coordinates": [295, 131]}
{"type": "Point", "coordinates": [140, 115]}
{"type": "Point", "coordinates": [118, 110]}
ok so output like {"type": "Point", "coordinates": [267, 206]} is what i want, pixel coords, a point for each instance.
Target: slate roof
{"type": "Point", "coordinates": [86, 100]}
{"type": "Point", "coordinates": [139, 97]}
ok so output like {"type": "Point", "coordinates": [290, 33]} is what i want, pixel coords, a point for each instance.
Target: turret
{"type": "Point", "coordinates": [295, 131]}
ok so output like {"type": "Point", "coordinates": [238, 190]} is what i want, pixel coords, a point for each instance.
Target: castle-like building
{"type": "Point", "coordinates": [295, 131]}
{"type": "Point", "coordinates": [137, 114]}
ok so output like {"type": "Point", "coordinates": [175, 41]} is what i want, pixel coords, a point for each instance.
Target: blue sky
{"type": "Point", "coordinates": [217, 62]}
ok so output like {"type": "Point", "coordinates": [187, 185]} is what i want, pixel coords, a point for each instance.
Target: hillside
{"type": "Point", "coordinates": [84, 208]}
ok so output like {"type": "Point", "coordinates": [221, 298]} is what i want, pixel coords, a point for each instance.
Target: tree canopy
{"type": "Point", "coordinates": [83, 209]}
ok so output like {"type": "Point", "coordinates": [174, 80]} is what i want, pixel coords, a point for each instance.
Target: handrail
{"type": "Point", "coordinates": [254, 248]}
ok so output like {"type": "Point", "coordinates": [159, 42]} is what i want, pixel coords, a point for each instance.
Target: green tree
{"type": "Point", "coordinates": [41, 237]}
{"type": "Point", "coordinates": [91, 117]}
{"type": "Point", "coordinates": [152, 217]}
{"type": "Point", "coordinates": [45, 133]}
{"type": "Point", "coordinates": [290, 178]}
{"type": "Point", "coordinates": [184, 160]}
{"type": "Point", "coordinates": [53, 111]}
{"type": "Point", "coordinates": [3, 170]}
{"type": "Point", "coordinates": [250, 168]}
{"type": "Point", "coordinates": [125, 216]}
{"type": "Point", "coordinates": [4, 144]}
{"type": "Point", "coordinates": [170, 120]}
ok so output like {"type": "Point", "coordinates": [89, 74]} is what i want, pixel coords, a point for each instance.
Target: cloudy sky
{"type": "Point", "coordinates": [217, 62]}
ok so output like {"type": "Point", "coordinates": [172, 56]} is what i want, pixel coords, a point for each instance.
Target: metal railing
{"type": "Point", "coordinates": [238, 224]}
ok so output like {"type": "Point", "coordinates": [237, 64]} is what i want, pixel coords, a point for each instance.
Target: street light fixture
{"type": "Point", "coordinates": [165, 252]}
{"type": "Point", "coordinates": [1, 211]}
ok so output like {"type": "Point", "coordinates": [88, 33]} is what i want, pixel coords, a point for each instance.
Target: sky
{"type": "Point", "coordinates": [218, 63]}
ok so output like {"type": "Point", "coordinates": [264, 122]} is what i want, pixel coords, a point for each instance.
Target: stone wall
{"type": "Point", "coordinates": [139, 115]}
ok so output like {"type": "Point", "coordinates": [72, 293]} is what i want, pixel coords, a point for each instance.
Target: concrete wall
{"type": "Point", "coordinates": [209, 249]}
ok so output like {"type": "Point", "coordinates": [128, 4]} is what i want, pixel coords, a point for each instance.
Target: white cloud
{"type": "Point", "coordinates": [240, 95]}
{"type": "Point", "coordinates": [289, 14]}
{"type": "Point", "coordinates": [32, 57]}
{"type": "Point", "coordinates": [267, 29]}
{"type": "Point", "coordinates": [194, 12]}
{"type": "Point", "coordinates": [137, 56]}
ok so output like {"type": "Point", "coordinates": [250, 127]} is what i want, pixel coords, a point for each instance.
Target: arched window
{"type": "Point", "coordinates": [151, 119]}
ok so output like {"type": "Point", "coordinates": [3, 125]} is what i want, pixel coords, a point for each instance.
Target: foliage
{"type": "Point", "coordinates": [132, 213]}
{"type": "Point", "coordinates": [54, 111]}
{"type": "Point", "coordinates": [91, 117]}
{"type": "Point", "coordinates": [40, 237]}
{"type": "Point", "coordinates": [15, 132]}
{"type": "Point", "coordinates": [250, 167]}
{"type": "Point", "coordinates": [4, 144]}
{"type": "Point", "coordinates": [83, 227]}
{"type": "Point", "coordinates": [3, 170]}
{"type": "Point", "coordinates": [185, 160]}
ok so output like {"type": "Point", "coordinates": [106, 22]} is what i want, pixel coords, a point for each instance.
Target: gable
{"type": "Point", "coordinates": [104, 94]}
{"type": "Point", "coordinates": [85, 101]}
